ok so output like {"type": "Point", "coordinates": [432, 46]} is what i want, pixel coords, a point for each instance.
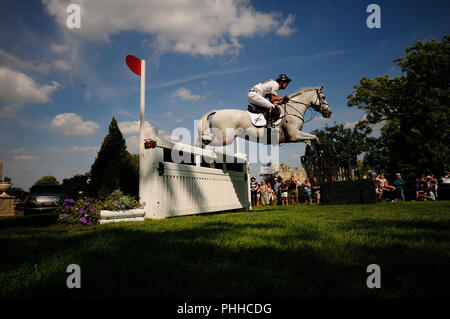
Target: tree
{"type": "Point", "coordinates": [415, 108]}
{"type": "Point", "coordinates": [18, 192]}
{"type": "Point", "coordinates": [112, 168]}
{"type": "Point", "coordinates": [337, 155]}
{"type": "Point", "coordinates": [76, 184]}
{"type": "Point", "coordinates": [47, 180]}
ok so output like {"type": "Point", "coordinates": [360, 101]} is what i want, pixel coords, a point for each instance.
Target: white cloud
{"type": "Point", "coordinates": [61, 65]}
{"type": "Point", "coordinates": [19, 88]}
{"type": "Point", "coordinates": [132, 143]}
{"type": "Point", "coordinates": [19, 64]}
{"type": "Point", "coordinates": [185, 95]}
{"type": "Point", "coordinates": [7, 111]}
{"type": "Point", "coordinates": [131, 127]}
{"type": "Point", "coordinates": [26, 158]}
{"type": "Point", "coordinates": [17, 150]}
{"type": "Point", "coordinates": [204, 27]}
{"type": "Point", "coordinates": [58, 48]}
{"type": "Point", "coordinates": [72, 124]}
{"type": "Point", "coordinates": [83, 149]}
{"type": "Point", "coordinates": [286, 29]}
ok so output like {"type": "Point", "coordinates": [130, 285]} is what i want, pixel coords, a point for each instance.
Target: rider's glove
{"type": "Point", "coordinates": [286, 99]}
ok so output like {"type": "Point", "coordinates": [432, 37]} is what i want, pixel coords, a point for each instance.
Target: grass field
{"type": "Point", "coordinates": [275, 252]}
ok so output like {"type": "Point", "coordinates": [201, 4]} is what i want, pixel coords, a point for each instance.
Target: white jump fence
{"type": "Point", "coordinates": [170, 188]}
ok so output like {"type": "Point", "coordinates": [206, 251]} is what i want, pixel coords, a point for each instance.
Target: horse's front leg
{"type": "Point", "coordinates": [300, 136]}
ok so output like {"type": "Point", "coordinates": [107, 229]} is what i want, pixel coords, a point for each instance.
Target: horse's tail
{"type": "Point", "coordinates": [202, 127]}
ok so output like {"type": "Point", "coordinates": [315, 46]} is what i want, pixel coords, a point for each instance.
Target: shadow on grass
{"type": "Point", "coordinates": [214, 260]}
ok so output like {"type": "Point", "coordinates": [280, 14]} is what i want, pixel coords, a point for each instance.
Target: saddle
{"type": "Point", "coordinates": [260, 116]}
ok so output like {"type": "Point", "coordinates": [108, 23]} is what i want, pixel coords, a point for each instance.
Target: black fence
{"type": "Point", "coordinates": [348, 192]}
{"type": "Point", "coordinates": [363, 192]}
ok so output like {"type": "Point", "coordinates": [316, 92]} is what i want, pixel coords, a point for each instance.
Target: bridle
{"type": "Point", "coordinates": [300, 116]}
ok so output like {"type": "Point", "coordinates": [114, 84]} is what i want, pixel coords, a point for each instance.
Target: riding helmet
{"type": "Point", "coordinates": [283, 78]}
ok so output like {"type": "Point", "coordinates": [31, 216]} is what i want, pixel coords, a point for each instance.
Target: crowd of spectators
{"type": "Point", "coordinates": [284, 193]}
{"type": "Point", "coordinates": [293, 192]}
{"type": "Point", "coordinates": [426, 187]}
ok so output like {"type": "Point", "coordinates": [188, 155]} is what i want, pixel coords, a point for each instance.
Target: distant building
{"type": "Point", "coordinates": [271, 171]}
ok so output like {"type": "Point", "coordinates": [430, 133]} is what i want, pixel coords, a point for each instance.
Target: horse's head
{"type": "Point", "coordinates": [320, 104]}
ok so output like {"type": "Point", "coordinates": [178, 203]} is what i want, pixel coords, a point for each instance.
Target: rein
{"type": "Point", "coordinates": [307, 108]}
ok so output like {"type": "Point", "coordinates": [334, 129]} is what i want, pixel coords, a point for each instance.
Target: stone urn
{"type": "Point", "coordinates": [3, 188]}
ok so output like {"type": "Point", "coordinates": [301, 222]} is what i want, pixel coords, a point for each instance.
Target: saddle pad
{"type": "Point", "coordinates": [259, 120]}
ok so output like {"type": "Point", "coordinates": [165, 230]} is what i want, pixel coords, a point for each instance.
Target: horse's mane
{"type": "Point", "coordinates": [301, 91]}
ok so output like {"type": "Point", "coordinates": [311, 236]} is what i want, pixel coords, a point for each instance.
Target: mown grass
{"type": "Point", "coordinates": [275, 252]}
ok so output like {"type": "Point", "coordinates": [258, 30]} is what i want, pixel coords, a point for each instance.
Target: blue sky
{"type": "Point", "coordinates": [60, 87]}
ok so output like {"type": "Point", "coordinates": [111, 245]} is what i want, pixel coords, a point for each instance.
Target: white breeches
{"type": "Point", "coordinates": [257, 99]}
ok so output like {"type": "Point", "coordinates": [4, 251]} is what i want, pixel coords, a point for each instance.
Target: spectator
{"type": "Point", "coordinates": [253, 191]}
{"type": "Point", "coordinates": [307, 191]}
{"type": "Point", "coordinates": [264, 195]}
{"type": "Point", "coordinates": [381, 181]}
{"type": "Point", "coordinates": [293, 190]}
{"type": "Point", "coordinates": [388, 192]}
{"type": "Point", "coordinates": [430, 181]}
{"type": "Point", "coordinates": [269, 194]}
{"type": "Point", "coordinates": [444, 190]}
{"type": "Point", "coordinates": [399, 184]}
{"type": "Point", "coordinates": [433, 187]}
{"type": "Point", "coordinates": [284, 193]}
{"type": "Point", "coordinates": [417, 187]}
{"type": "Point", "coordinates": [258, 196]}
{"type": "Point", "coordinates": [276, 193]}
{"type": "Point", "coordinates": [299, 192]}
{"type": "Point", "coordinates": [423, 192]}
{"type": "Point", "coordinates": [315, 187]}
{"type": "Point", "coordinates": [445, 179]}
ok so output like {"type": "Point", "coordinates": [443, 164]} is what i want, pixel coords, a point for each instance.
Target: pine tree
{"type": "Point", "coordinates": [112, 167]}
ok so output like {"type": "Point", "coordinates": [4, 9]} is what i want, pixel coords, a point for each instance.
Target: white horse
{"type": "Point", "coordinates": [225, 125]}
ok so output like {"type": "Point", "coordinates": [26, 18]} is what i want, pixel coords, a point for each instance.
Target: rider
{"type": "Point", "coordinates": [269, 89]}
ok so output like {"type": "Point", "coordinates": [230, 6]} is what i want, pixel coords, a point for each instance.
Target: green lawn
{"type": "Point", "coordinates": [276, 252]}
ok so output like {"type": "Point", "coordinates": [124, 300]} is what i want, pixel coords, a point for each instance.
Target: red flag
{"type": "Point", "coordinates": [134, 64]}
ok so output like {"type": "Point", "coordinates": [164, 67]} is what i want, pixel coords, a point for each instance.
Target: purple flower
{"type": "Point", "coordinates": [83, 220]}
{"type": "Point", "coordinates": [89, 223]}
{"type": "Point", "coordinates": [81, 210]}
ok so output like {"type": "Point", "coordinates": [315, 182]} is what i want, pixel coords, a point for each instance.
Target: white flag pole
{"type": "Point", "coordinates": [141, 130]}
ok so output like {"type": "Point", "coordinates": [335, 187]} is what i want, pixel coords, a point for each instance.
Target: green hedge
{"type": "Point", "coordinates": [348, 192]}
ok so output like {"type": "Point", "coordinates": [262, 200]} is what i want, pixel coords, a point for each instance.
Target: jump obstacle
{"type": "Point", "coordinates": [206, 181]}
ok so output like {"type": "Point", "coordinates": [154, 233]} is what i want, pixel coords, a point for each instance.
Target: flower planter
{"type": "Point", "coordinates": [3, 188]}
{"type": "Point", "coordinates": [130, 215]}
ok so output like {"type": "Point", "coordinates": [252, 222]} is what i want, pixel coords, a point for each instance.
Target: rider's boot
{"type": "Point", "coordinates": [269, 122]}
